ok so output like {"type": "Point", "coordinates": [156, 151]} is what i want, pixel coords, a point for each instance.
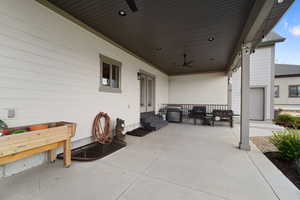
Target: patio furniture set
{"type": "Point", "coordinates": [209, 118]}
{"type": "Point", "coordinates": [197, 113]}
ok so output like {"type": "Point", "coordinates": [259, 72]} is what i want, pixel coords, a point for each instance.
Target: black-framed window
{"type": "Point", "coordinates": [276, 91]}
{"type": "Point", "coordinates": [110, 75]}
{"type": "Point", "coordinates": [294, 90]}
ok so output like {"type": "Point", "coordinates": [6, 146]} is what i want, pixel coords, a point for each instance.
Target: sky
{"type": "Point", "coordinates": [288, 52]}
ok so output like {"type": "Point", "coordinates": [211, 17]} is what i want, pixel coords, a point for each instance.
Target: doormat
{"type": "Point", "coordinates": [93, 151]}
{"type": "Point", "coordinates": [139, 132]}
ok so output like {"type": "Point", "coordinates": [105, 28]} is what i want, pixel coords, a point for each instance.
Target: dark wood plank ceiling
{"type": "Point", "coordinates": [162, 31]}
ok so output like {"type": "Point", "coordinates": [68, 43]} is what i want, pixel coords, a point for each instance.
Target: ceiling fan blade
{"type": "Point", "coordinates": [132, 5]}
{"type": "Point", "coordinates": [189, 62]}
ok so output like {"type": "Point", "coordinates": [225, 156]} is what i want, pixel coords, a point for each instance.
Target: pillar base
{"type": "Point", "coordinates": [244, 146]}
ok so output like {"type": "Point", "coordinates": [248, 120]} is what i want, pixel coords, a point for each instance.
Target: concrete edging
{"type": "Point", "coordinates": [282, 187]}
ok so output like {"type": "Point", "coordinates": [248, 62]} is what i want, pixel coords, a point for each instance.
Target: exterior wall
{"type": "Point", "coordinates": [206, 88]}
{"type": "Point", "coordinates": [284, 101]}
{"type": "Point", "coordinates": [49, 71]}
{"type": "Point", "coordinates": [261, 75]}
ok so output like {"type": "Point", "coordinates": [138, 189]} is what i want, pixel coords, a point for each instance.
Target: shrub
{"type": "Point", "coordinates": [287, 120]}
{"type": "Point", "coordinates": [284, 118]}
{"type": "Point", "coordinates": [288, 143]}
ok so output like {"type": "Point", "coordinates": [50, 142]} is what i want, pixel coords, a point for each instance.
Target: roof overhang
{"type": "Point", "coordinates": [160, 33]}
{"type": "Point", "coordinates": [287, 70]}
{"type": "Point", "coordinates": [271, 39]}
{"type": "Point", "coordinates": [263, 17]}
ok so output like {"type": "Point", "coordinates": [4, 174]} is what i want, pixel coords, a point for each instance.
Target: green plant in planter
{"type": "Point", "coordinates": [19, 131]}
{"type": "Point", "coordinates": [3, 125]}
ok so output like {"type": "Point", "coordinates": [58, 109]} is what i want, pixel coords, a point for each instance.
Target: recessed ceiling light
{"type": "Point", "coordinates": [122, 13]}
{"type": "Point", "coordinates": [280, 1]}
{"type": "Point", "coordinates": [211, 38]}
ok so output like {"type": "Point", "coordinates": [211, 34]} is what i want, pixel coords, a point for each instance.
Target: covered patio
{"type": "Point", "coordinates": [206, 36]}
{"type": "Point", "coordinates": [63, 40]}
{"type": "Point", "coordinates": [177, 162]}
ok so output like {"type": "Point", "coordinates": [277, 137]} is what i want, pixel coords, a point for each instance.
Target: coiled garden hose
{"type": "Point", "coordinates": [102, 135]}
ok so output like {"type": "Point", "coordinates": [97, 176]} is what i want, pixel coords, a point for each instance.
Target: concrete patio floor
{"type": "Point", "coordinates": [178, 162]}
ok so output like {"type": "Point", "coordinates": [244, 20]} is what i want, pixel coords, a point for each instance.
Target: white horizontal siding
{"type": "Point", "coordinates": [261, 64]}
{"type": "Point", "coordinates": [206, 88]}
{"type": "Point", "coordinates": [49, 71]}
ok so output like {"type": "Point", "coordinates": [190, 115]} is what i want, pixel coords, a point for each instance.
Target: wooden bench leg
{"type": "Point", "coordinates": [67, 153]}
{"type": "Point", "coordinates": [52, 155]}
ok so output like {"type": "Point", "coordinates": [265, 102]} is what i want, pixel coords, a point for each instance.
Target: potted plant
{"type": "Point", "coordinates": [3, 128]}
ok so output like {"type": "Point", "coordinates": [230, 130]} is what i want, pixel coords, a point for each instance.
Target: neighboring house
{"type": "Point", "coordinates": [287, 87]}
{"type": "Point", "coordinates": [261, 80]}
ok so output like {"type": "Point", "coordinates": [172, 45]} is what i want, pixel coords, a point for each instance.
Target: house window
{"type": "Point", "coordinates": [276, 91]}
{"type": "Point", "coordinates": [110, 75]}
{"type": "Point", "coordinates": [294, 91]}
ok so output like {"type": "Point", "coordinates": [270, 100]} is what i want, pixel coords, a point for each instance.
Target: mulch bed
{"type": "Point", "coordinates": [263, 144]}
{"type": "Point", "coordinates": [288, 168]}
{"type": "Point", "coordinates": [139, 132]}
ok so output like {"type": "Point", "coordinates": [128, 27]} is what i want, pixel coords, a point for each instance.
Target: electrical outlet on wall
{"type": "Point", "coordinates": [11, 113]}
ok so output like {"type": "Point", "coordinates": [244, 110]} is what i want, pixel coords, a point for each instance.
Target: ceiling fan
{"type": "Point", "coordinates": [185, 62]}
{"type": "Point", "coordinates": [132, 5]}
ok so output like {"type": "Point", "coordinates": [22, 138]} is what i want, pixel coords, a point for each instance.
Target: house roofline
{"type": "Point", "coordinates": [271, 42]}
{"type": "Point", "coordinates": [288, 75]}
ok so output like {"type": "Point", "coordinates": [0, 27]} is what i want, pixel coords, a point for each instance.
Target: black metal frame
{"type": "Point", "coordinates": [205, 112]}
{"type": "Point", "coordinates": [225, 115]}
{"type": "Point", "coordinates": [186, 108]}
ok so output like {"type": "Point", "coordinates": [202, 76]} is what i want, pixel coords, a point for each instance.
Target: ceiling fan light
{"type": "Point", "coordinates": [211, 38]}
{"type": "Point", "coordinates": [280, 1]}
{"type": "Point", "coordinates": [122, 13]}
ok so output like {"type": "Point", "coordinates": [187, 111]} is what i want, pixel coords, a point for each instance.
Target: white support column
{"type": "Point", "coordinates": [245, 82]}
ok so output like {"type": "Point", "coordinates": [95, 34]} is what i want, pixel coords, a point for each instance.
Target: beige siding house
{"type": "Point", "coordinates": [287, 87]}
